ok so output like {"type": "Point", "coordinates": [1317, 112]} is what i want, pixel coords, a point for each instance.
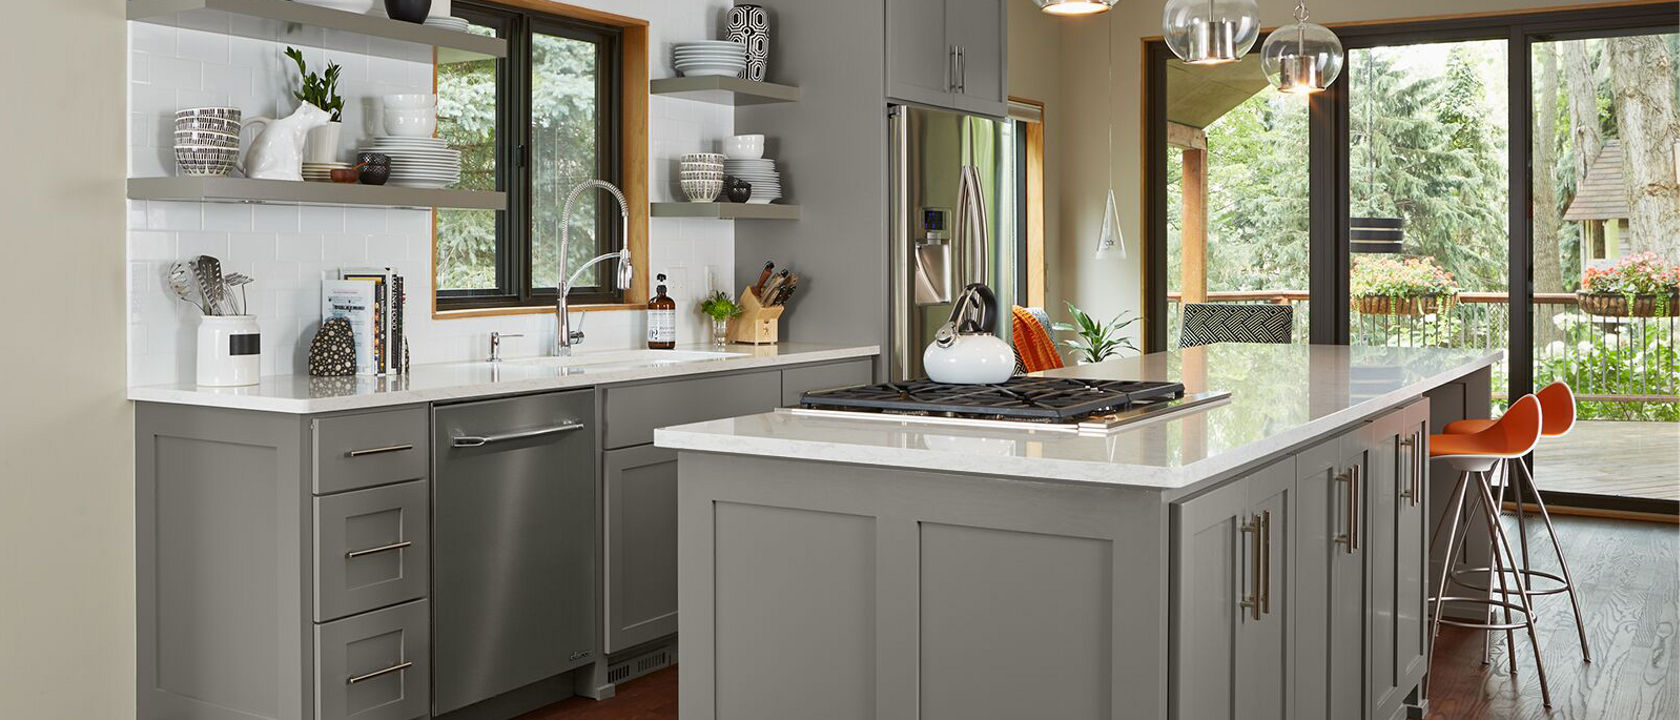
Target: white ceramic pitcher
{"type": "Point", "coordinates": [277, 153]}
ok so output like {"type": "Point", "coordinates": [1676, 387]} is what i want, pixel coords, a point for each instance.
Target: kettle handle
{"type": "Point", "coordinates": [987, 322]}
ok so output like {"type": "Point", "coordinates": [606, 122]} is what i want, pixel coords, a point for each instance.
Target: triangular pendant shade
{"type": "Point", "coordinates": [1111, 244]}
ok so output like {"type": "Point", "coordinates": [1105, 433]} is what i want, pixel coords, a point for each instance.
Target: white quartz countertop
{"type": "Point", "coordinates": [1281, 396]}
{"type": "Point", "coordinates": [465, 380]}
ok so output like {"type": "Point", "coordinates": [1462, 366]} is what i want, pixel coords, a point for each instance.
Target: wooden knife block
{"type": "Point", "coordinates": [757, 324]}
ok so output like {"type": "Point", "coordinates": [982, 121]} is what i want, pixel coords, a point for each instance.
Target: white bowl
{"type": "Point", "coordinates": [410, 123]}
{"type": "Point", "coordinates": [409, 101]}
{"type": "Point", "coordinates": [702, 191]}
{"type": "Point", "coordinates": [704, 157]}
{"type": "Point", "coordinates": [744, 147]}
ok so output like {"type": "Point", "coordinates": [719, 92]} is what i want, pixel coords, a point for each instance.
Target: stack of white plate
{"type": "Point", "coordinates": [762, 173]}
{"type": "Point", "coordinates": [724, 58]}
{"type": "Point", "coordinates": [445, 22]}
{"type": "Point", "coordinates": [419, 162]}
{"type": "Point", "coordinates": [321, 172]}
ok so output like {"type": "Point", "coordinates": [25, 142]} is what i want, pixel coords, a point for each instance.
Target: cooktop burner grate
{"type": "Point", "coordinates": [1023, 398]}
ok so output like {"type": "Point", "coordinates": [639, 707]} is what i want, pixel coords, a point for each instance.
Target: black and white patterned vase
{"type": "Point", "coordinates": [333, 351]}
{"type": "Point", "coordinates": [750, 26]}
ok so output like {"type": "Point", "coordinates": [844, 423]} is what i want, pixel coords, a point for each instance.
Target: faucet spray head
{"type": "Point", "coordinates": [625, 270]}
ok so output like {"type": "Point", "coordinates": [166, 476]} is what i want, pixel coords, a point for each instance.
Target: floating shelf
{"type": "Point", "coordinates": [725, 211]}
{"type": "Point", "coordinates": [724, 90]}
{"type": "Point", "coordinates": [284, 192]}
{"type": "Point", "coordinates": [311, 25]}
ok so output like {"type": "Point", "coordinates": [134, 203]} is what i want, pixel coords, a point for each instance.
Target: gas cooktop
{"type": "Point", "coordinates": [1039, 399]}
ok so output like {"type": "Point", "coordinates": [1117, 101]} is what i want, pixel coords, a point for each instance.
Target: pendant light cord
{"type": "Point", "coordinates": [1110, 30]}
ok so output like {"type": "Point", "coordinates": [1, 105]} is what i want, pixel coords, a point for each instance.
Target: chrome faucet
{"type": "Point", "coordinates": [564, 336]}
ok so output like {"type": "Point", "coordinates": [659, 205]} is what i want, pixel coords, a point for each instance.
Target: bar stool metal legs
{"type": "Point", "coordinates": [1522, 484]}
{"type": "Point", "coordinates": [1503, 554]}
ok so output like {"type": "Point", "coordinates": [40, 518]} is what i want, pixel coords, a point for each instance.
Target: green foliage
{"type": "Point", "coordinates": [1096, 341]}
{"type": "Point", "coordinates": [1614, 357]}
{"type": "Point", "coordinates": [318, 90]}
{"type": "Point", "coordinates": [720, 306]}
{"type": "Point", "coordinates": [1397, 278]}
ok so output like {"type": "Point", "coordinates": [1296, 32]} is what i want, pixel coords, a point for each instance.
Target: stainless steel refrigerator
{"type": "Point", "coordinates": [951, 198]}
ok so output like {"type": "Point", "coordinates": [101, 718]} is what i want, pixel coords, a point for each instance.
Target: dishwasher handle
{"type": "Point", "coordinates": [472, 441]}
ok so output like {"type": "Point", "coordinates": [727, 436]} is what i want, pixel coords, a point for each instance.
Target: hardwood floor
{"type": "Point", "coordinates": [1630, 593]}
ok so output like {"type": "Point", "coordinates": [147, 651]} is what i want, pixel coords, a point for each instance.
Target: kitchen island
{"type": "Point", "coordinates": [1261, 557]}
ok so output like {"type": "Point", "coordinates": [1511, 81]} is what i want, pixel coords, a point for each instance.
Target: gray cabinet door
{"type": "Point", "coordinates": [1397, 444]}
{"type": "Point", "coordinates": [371, 548]}
{"type": "Point", "coordinates": [1328, 604]}
{"type": "Point", "coordinates": [374, 666]}
{"type": "Point", "coordinates": [977, 29]}
{"type": "Point", "coordinates": [1211, 577]}
{"type": "Point", "coordinates": [920, 59]}
{"type": "Point", "coordinates": [633, 411]}
{"type": "Point", "coordinates": [641, 546]}
{"type": "Point", "coordinates": [1263, 644]}
{"type": "Point", "coordinates": [1411, 626]}
{"type": "Point", "coordinates": [513, 525]}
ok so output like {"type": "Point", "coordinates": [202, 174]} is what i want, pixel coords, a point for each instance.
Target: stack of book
{"type": "Point", "coordinates": [372, 300]}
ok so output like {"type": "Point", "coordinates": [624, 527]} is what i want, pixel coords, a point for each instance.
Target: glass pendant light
{"type": "Point", "coordinates": [1111, 243]}
{"type": "Point", "coordinates": [1301, 58]}
{"type": "Point", "coordinates": [1210, 32]}
{"type": "Point", "coordinates": [1075, 7]}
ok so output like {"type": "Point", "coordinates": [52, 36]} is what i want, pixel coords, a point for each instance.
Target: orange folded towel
{"type": "Point", "coordinates": [1033, 342]}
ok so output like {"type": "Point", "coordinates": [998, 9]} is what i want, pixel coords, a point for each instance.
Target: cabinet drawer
{"type": "Point", "coordinates": [800, 380]}
{"type": "Point", "coordinates": [358, 451]}
{"type": "Point", "coordinates": [371, 549]}
{"type": "Point", "coordinates": [633, 412]}
{"type": "Point", "coordinates": [375, 666]}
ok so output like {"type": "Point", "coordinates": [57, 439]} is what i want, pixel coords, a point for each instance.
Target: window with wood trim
{"type": "Point", "coordinates": [534, 125]}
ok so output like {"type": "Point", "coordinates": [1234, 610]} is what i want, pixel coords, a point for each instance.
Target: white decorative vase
{"type": "Point", "coordinates": [322, 145]}
{"type": "Point", "coordinates": [229, 350]}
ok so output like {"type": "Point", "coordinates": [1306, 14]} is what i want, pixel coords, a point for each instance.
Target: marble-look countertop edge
{"type": "Point", "coordinates": [703, 437]}
{"type": "Point", "coordinates": [234, 399]}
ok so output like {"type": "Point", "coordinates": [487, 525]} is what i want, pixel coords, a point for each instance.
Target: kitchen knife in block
{"type": "Point", "coordinates": [757, 323]}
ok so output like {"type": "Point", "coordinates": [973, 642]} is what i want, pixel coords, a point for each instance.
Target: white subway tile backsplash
{"type": "Point", "coordinates": [290, 249]}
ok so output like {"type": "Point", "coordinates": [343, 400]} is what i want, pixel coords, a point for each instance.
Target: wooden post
{"type": "Point", "coordinates": [1193, 238]}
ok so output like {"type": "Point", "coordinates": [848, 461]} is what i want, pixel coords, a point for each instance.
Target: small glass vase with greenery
{"type": "Point", "coordinates": [1401, 286]}
{"type": "Point", "coordinates": [320, 90]}
{"type": "Point", "coordinates": [1639, 285]}
{"type": "Point", "coordinates": [721, 309]}
{"type": "Point", "coordinates": [1094, 340]}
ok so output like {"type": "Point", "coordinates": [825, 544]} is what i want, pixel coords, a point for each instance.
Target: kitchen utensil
{"type": "Point", "coordinates": [414, 11]}
{"type": "Point", "coordinates": [768, 294]}
{"type": "Point", "coordinates": [786, 290]}
{"type": "Point", "coordinates": [964, 351]}
{"type": "Point", "coordinates": [184, 282]}
{"type": "Point", "coordinates": [208, 271]}
{"type": "Point", "coordinates": [763, 277]}
{"type": "Point", "coordinates": [277, 153]}
{"type": "Point", "coordinates": [238, 280]}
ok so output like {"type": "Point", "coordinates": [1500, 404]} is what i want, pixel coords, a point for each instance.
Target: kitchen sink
{"type": "Point", "coordinates": [625, 357]}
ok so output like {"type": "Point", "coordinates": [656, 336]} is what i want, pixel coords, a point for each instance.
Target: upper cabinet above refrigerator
{"type": "Point", "coordinates": [948, 54]}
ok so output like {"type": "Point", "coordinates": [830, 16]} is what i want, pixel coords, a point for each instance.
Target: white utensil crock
{"type": "Point", "coordinates": [229, 350]}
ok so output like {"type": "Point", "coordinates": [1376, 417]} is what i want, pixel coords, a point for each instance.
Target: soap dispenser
{"type": "Point", "coordinates": [662, 320]}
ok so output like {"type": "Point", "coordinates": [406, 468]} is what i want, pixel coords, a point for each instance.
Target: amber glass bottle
{"type": "Point", "coordinates": [662, 320]}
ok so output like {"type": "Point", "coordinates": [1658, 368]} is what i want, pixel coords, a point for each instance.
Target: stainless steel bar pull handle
{"type": "Point", "coordinates": [379, 450]}
{"type": "Point", "coordinates": [376, 550]}
{"type": "Point", "coordinates": [1419, 467]}
{"type": "Point", "coordinates": [1353, 508]}
{"type": "Point", "coordinates": [962, 71]}
{"type": "Point", "coordinates": [1346, 538]}
{"type": "Point", "coordinates": [399, 667]}
{"type": "Point", "coordinates": [1251, 600]}
{"type": "Point", "coordinates": [1408, 490]}
{"type": "Point", "coordinates": [471, 441]}
{"type": "Point", "coordinates": [1266, 562]}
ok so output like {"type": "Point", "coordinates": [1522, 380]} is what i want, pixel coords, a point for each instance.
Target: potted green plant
{"type": "Point", "coordinates": [1394, 286]}
{"type": "Point", "coordinates": [1094, 341]}
{"type": "Point", "coordinates": [721, 309]}
{"type": "Point", "coordinates": [320, 90]}
{"type": "Point", "coordinates": [1639, 285]}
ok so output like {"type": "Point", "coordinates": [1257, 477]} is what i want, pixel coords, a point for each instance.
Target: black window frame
{"type": "Point", "coordinates": [514, 168]}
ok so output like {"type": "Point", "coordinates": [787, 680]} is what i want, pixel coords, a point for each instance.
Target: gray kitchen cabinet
{"type": "Point", "coordinates": [948, 54]}
{"type": "Point", "coordinates": [1330, 567]}
{"type": "Point", "coordinates": [1231, 589]}
{"type": "Point", "coordinates": [256, 594]}
{"type": "Point", "coordinates": [641, 547]}
{"type": "Point", "coordinates": [1396, 629]}
{"type": "Point", "coordinates": [631, 412]}
{"type": "Point", "coordinates": [513, 562]}
{"type": "Point", "coordinates": [797, 381]}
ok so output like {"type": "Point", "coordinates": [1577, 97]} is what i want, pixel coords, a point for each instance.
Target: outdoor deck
{"type": "Point", "coordinates": [1612, 457]}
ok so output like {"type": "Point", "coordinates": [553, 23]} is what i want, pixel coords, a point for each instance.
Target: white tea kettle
{"type": "Point", "coordinates": [964, 350]}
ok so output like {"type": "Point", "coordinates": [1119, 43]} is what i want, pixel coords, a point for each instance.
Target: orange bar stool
{"type": "Point", "coordinates": [1474, 456]}
{"type": "Point", "coordinates": [1557, 410]}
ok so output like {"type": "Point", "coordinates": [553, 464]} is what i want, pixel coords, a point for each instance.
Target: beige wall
{"type": "Point", "coordinates": [66, 439]}
{"type": "Point", "coordinates": [1034, 74]}
{"type": "Point", "coordinates": [1079, 125]}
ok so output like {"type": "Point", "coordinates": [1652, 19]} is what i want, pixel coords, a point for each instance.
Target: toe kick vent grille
{"type": "Point", "coordinates": [640, 665]}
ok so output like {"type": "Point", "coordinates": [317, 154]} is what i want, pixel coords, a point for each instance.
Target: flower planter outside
{"type": "Point", "coordinates": [1617, 305]}
{"type": "Point", "coordinates": [1408, 305]}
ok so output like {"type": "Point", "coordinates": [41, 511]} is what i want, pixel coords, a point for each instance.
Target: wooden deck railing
{"type": "Point", "coordinates": [1605, 359]}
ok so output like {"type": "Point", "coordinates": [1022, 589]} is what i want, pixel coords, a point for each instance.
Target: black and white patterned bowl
{"type": "Point", "coordinates": [204, 160]}
{"type": "Point", "coordinates": [208, 138]}
{"type": "Point", "coordinates": [214, 111]}
{"type": "Point", "coordinates": [207, 124]}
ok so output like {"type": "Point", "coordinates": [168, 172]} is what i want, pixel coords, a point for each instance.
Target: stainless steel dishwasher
{"type": "Point", "coordinates": [513, 548]}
